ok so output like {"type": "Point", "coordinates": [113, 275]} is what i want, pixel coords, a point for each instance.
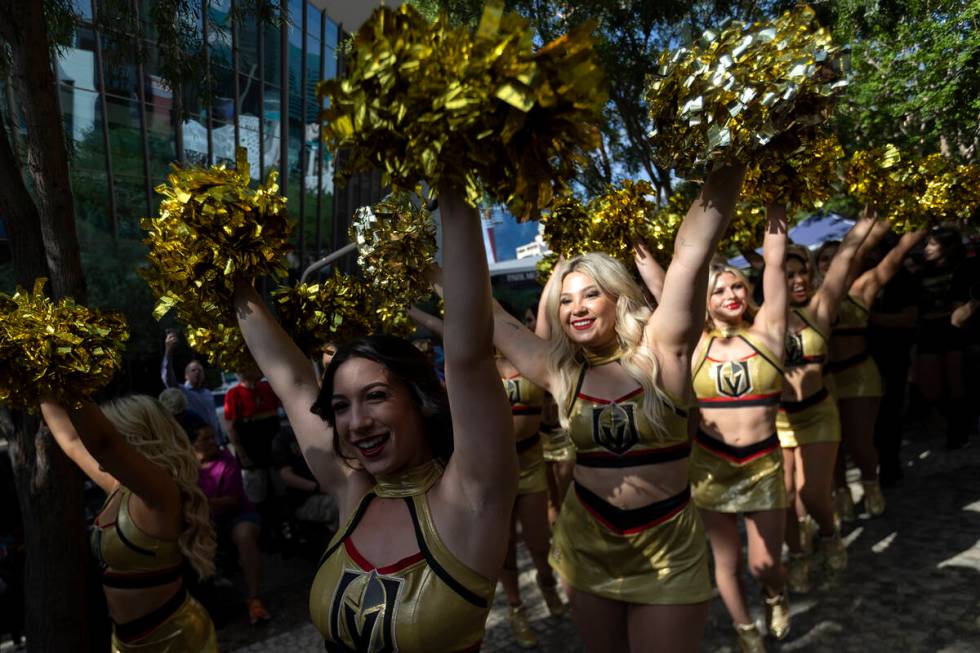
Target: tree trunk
{"type": "Point", "coordinates": [58, 608]}
{"type": "Point", "coordinates": [47, 154]}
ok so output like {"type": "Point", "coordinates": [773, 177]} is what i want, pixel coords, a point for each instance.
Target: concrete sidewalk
{"type": "Point", "coordinates": [912, 584]}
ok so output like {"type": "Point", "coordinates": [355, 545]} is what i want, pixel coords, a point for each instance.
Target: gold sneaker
{"type": "Point", "coordinates": [844, 510]}
{"type": "Point", "coordinates": [808, 528]}
{"type": "Point", "coordinates": [798, 573]}
{"type": "Point", "coordinates": [833, 552]}
{"type": "Point", "coordinates": [556, 607]}
{"type": "Point", "coordinates": [749, 639]}
{"type": "Point", "coordinates": [874, 500]}
{"type": "Point", "coordinates": [777, 615]}
{"type": "Point", "coordinates": [522, 629]}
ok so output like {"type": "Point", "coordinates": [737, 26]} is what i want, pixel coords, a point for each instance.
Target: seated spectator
{"type": "Point", "coordinates": [233, 514]}
{"type": "Point", "coordinates": [176, 404]}
{"type": "Point", "coordinates": [306, 500]}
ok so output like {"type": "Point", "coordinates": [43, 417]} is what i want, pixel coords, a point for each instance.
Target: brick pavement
{"type": "Point", "coordinates": [913, 582]}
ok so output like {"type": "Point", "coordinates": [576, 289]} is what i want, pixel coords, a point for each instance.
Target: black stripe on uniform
{"type": "Point", "coordinates": [440, 571]}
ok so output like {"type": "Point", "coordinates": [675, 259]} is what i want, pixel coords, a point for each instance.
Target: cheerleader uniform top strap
{"type": "Point", "coordinates": [128, 557]}
{"type": "Point", "coordinates": [753, 380]}
{"type": "Point", "coordinates": [852, 318]}
{"type": "Point", "coordinates": [428, 601]}
{"type": "Point", "coordinates": [525, 397]}
{"type": "Point", "coordinates": [616, 432]}
{"type": "Point", "coordinates": [806, 346]}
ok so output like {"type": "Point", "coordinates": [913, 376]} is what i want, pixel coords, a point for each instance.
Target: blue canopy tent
{"type": "Point", "coordinates": [810, 232]}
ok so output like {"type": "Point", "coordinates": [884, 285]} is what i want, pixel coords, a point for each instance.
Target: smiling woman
{"type": "Point", "coordinates": [425, 477]}
{"type": "Point", "coordinates": [628, 544]}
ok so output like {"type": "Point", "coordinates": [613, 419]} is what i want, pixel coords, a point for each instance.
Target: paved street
{"type": "Point", "coordinates": [913, 583]}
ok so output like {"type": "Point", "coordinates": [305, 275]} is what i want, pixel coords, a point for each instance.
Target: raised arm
{"type": "Point", "coordinates": [484, 463]}
{"type": "Point", "coordinates": [676, 325]}
{"type": "Point", "coordinates": [56, 417]}
{"type": "Point", "coordinates": [88, 437]}
{"type": "Point", "coordinates": [542, 328]}
{"type": "Point", "coordinates": [293, 379]}
{"type": "Point", "coordinates": [826, 300]}
{"type": "Point", "coordinates": [868, 284]}
{"type": "Point", "coordinates": [650, 271]}
{"type": "Point", "coordinates": [772, 315]}
{"type": "Point", "coordinates": [753, 258]}
{"type": "Point", "coordinates": [425, 320]}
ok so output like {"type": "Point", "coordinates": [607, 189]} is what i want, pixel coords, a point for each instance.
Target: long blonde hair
{"type": "Point", "coordinates": [632, 314]}
{"type": "Point", "coordinates": [714, 272]}
{"type": "Point", "coordinates": [151, 430]}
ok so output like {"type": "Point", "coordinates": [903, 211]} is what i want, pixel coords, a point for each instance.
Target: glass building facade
{"type": "Point", "coordinates": [258, 91]}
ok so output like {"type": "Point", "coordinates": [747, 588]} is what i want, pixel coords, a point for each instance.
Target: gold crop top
{"type": "Point", "coordinates": [429, 601]}
{"type": "Point", "coordinates": [128, 557]}
{"type": "Point", "coordinates": [852, 318]}
{"type": "Point", "coordinates": [525, 397]}
{"type": "Point", "coordinates": [617, 433]}
{"type": "Point", "coordinates": [754, 380]}
{"type": "Point", "coordinates": [806, 346]}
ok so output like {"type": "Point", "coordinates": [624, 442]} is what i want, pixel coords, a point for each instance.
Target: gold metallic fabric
{"type": "Point", "coordinates": [806, 346]}
{"type": "Point", "coordinates": [188, 630]}
{"type": "Point", "coordinates": [55, 349]}
{"type": "Point", "coordinates": [522, 394]}
{"type": "Point", "coordinates": [620, 427]}
{"type": "Point", "coordinates": [817, 423]}
{"type": "Point", "coordinates": [411, 482]}
{"type": "Point", "coordinates": [860, 380]}
{"type": "Point", "coordinates": [726, 486]}
{"type": "Point", "coordinates": [120, 557]}
{"type": "Point", "coordinates": [532, 472]}
{"type": "Point", "coordinates": [407, 606]}
{"type": "Point", "coordinates": [756, 377]}
{"type": "Point", "coordinates": [557, 445]}
{"type": "Point", "coordinates": [666, 564]}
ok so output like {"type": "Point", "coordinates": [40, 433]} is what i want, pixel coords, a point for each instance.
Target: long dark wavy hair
{"type": "Point", "coordinates": [406, 364]}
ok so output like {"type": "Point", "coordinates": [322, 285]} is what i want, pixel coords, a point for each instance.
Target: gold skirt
{"type": "Point", "coordinates": [663, 562]}
{"type": "Point", "coordinates": [812, 420]}
{"type": "Point", "coordinates": [737, 479]}
{"type": "Point", "coordinates": [187, 630]}
{"type": "Point", "coordinates": [558, 446]}
{"type": "Point", "coordinates": [855, 381]}
{"type": "Point", "coordinates": [530, 461]}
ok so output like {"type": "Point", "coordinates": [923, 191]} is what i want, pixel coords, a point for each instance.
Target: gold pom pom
{"type": "Point", "coordinates": [912, 193]}
{"type": "Point", "coordinates": [743, 92]}
{"type": "Point", "coordinates": [396, 243]}
{"type": "Point", "coordinates": [622, 216]}
{"type": "Point", "coordinates": [335, 310]}
{"type": "Point", "coordinates": [612, 223]}
{"type": "Point", "coordinates": [213, 230]}
{"type": "Point", "coordinates": [55, 349]}
{"type": "Point", "coordinates": [481, 112]}
{"type": "Point", "coordinates": [567, 227]}
{"type": "Point", "coordinates": [803, 177]}
{"type": "Point", "coordinates": [746, 229]}
{"type": "Point", "coordinates": [223, 346]}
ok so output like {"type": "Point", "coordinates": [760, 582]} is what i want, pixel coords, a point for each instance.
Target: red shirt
{"type": "Point", "coordinates": [243, 403]}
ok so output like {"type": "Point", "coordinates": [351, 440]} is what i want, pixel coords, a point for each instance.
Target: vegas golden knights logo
{"type": "Point", "coordinates": [362, 613]}
{"type": "Point", "coordinates": [614, 427]}
{"type": "Point", "coordinates": [794, 349]}
{"type": "Point", "coordinates": [732, 378]}
{"type": "Point", "coordinates": [513, 391]}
